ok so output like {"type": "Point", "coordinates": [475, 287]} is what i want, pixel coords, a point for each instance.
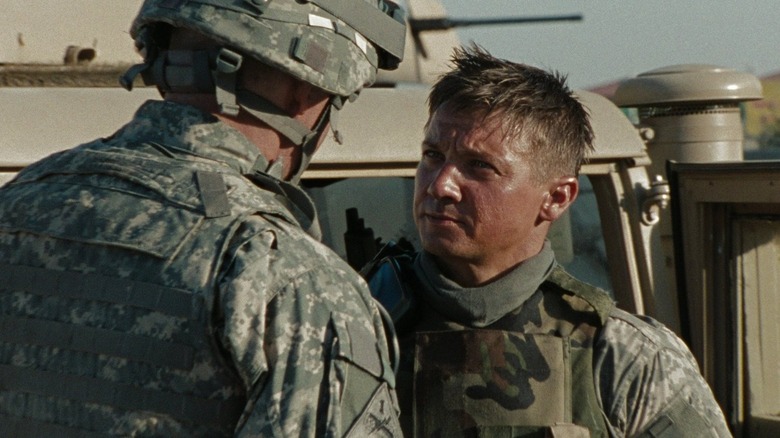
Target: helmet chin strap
{"type": "Point", "coordinates": [291, 129]}
{"type": "Point", "coordinates": [231, 98]}
{"type": "Point", "coordinates": [207, 71]}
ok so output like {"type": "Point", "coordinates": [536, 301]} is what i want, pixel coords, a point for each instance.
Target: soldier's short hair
{"type": "Point", "coordinates": [536, 107]}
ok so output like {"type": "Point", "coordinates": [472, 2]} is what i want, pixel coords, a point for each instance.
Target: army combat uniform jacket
{"type": "Point", "coordinates": [158, 283]}
{"type": "Point", "coordinates": [538, 353]}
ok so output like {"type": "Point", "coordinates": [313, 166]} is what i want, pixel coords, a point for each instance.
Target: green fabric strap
{"type": "Point", "coordinates": [274, 117]}
{"type": "Point", "coordinates": [213, 193]}
{"type": "Point", "coordinates": [596, 297]}
{"type": "Point", "coordinates": [586, 410]}
{"type": "Point", "coordinates": [226, 80]}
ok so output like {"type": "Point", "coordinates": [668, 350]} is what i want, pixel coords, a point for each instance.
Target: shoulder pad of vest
{"type": "Point", "coordinates": [598, 298]}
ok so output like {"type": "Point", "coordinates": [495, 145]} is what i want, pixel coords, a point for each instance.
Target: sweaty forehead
{"type": "Point", "coordinates": [468, 126]}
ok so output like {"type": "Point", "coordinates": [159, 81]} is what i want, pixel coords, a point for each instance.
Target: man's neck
{"type": "Point", "coordinates": [475, 273]}
{"type": "Point", "coordinates": [269, 142]}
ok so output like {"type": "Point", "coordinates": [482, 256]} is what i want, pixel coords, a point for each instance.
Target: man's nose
{"type": "Point", "coordinates": [445, 183]}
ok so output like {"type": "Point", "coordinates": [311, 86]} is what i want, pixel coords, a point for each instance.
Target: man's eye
{"type": "Point", "coordinates": [479, 164]}
{"type": "Point", "coordinates": [431, 154]}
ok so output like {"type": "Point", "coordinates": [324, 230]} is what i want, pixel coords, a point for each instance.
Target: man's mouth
{"type": "Point", "coordinates": [440, 218]}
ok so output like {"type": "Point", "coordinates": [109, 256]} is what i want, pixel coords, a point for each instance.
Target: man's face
{"type": "Point", "coordinates": [475, 202]}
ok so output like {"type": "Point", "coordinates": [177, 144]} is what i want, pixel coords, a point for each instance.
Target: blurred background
{"type": "Point", "coordinates": [616, 40]}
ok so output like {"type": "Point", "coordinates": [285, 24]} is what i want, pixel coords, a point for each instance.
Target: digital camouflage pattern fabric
{"type": "Point", "coordinates": [538, 353]}
{"type": "Point", "coordinates": [158, 292]}
{"type": "Point", "coordinates": [313, 41]}
{"type": "Point", "coordinates": [652, 379]}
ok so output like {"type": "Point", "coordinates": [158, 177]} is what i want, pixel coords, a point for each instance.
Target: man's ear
{"type": "Point", "coordinates": [560, 195]}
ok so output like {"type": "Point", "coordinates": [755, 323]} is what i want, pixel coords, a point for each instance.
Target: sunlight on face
{"type": "Point", "coordinates": [475, 199]}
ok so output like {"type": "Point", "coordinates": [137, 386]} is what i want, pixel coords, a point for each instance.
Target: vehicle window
{"type": "Point", "coordinates": [580, 247]}
{"type": "Point", "coordinates": [384, 205]}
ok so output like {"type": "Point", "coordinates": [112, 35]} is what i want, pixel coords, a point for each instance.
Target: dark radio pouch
{"type": "Point", "coordinates": [391, 280]}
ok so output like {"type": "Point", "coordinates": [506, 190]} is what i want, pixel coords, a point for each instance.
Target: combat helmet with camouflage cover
{"type": "Point", "coordinates": [335, 45]}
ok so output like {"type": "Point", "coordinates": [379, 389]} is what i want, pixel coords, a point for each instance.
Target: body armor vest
{"type": "Point", "coordinates": [528, 374]}
{"type": "Point", "coordinates": [74, 337]}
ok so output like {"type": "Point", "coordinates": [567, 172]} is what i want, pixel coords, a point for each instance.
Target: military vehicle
{"type": "Point", "coordinates": [672, 221]}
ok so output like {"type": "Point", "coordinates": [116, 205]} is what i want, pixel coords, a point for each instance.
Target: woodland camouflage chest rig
{"type": "Point", "coordinates": [528, 374]}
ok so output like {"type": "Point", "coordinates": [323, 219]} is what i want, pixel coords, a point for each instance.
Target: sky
{"type": "Point", "coordinates": [615, 40]}
{"type": "Point", "coordinates": [619, 39]}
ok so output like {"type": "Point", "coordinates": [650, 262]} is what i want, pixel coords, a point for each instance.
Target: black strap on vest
{"type": "Point", "coordinates": [91, 390]}
{"type": "Point", "coordinates": [213, 193]}
{"type": "Point", "coordinates": [178, 354]}
{"type": "Point", "coordinates": [17, 427]}
{"type": "Point", "coordinates": [96, 341]}
{"type": "Point", "coordinates": [174, 302]}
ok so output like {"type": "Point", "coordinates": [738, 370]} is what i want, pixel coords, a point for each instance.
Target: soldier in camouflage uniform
{"type": "Point", "coordinates": [497, 340]}
{"type": "Point", "coordinates": [168, 280]}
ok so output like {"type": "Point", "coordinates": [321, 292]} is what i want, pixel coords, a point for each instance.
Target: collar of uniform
{"type": "Point", "coordinates": [179, 127]}
{"type": "Point", "coordinates": [188, 129]}
{"type": "Point", "coordinates": [484, 305]}
{"type": "Point", "coordinates": [292, 196]}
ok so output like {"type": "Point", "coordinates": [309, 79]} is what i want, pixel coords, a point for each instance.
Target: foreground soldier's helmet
{"type": "Point", "coordinates": [335, 45]}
